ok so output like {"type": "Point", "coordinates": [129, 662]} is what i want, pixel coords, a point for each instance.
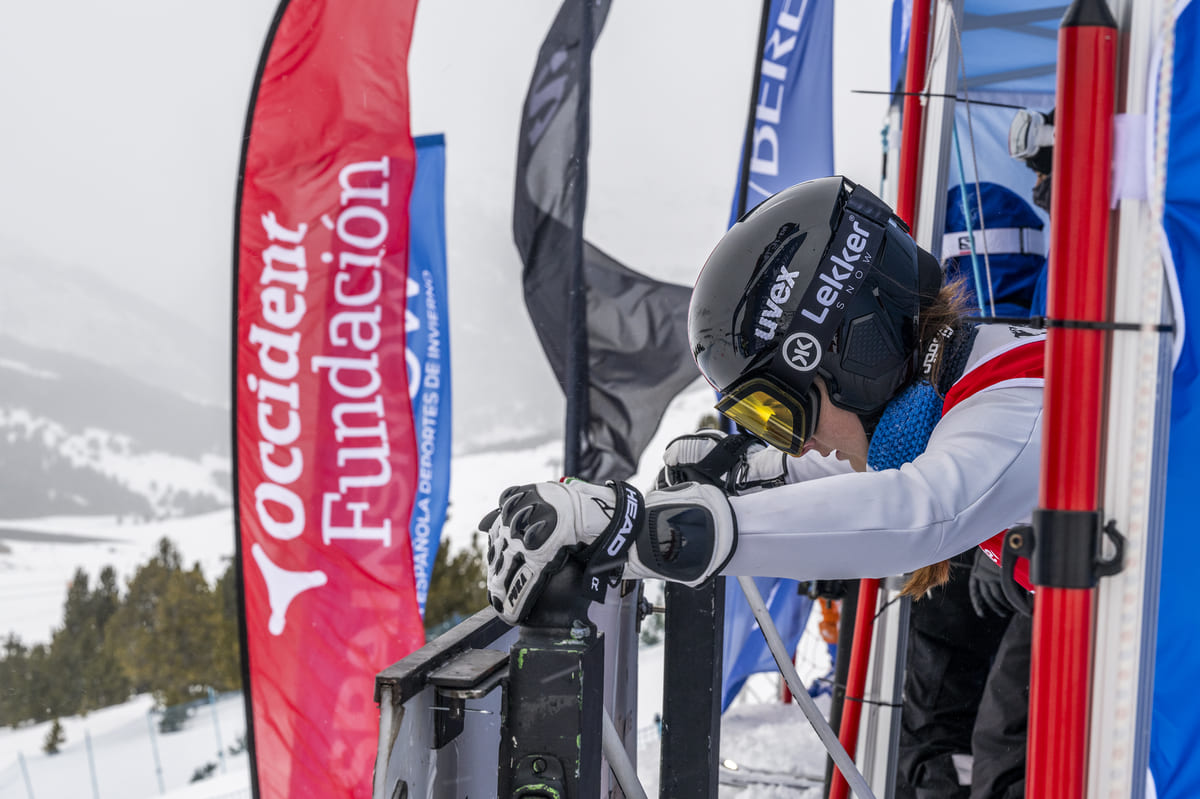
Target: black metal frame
{"type": "Point", "coordinates": [691, 717]}
{"type": "Point", "coordinates": [552, 680]}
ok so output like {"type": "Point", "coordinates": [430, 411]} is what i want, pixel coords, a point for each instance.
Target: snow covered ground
{"type": "Point", "coordinates": [118, 753]}
{"type": "Point", "coordinates": [768, 749]}
{"type": "Point", "coordinates": [39, 557]}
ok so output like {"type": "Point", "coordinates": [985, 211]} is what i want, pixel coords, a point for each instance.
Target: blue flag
{"type": "Point", "coordinates": [789, 139]}
{"type": "Point", "coordinates": [745, 650]}
{"type": "Point", "coordinates": [1175, 723]}
{"type": "Point", "coordinates": [427, 351]}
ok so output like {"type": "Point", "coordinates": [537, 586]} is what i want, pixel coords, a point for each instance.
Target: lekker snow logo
{"type": "Point", "coordinates": [802, 351]}
{"type": "Point", "coordinates": [837, 270]}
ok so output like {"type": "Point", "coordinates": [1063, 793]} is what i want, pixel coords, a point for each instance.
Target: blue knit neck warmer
{"type": "Point", "coordinates": [905, 426]}
{"type": "Point", "coordinates": [908, 420]}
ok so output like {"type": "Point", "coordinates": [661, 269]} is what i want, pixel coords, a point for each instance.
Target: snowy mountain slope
{"type": "Point", "coordinates": [82, 438]}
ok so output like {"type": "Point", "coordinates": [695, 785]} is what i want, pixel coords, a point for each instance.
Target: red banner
{"type": "Point", "coordinates": [325, 450]}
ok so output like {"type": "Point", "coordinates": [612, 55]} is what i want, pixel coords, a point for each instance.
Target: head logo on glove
{"type": "Point", "coordinates": [621, 540]}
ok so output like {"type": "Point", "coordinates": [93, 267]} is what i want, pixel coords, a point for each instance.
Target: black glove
{"type": "Point", "coordinates": [985, 586]}
{"type": "Point", "coordinates": [737, 463]}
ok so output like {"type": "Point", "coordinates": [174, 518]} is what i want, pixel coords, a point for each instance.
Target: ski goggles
{"type": "Point", "coordinates": [769, 411]}
{"type": "Point", "coordinates": [1028, 134]}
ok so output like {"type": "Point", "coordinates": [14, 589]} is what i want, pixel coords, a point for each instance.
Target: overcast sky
{"type": "Point", "coordinates": [121, 124]}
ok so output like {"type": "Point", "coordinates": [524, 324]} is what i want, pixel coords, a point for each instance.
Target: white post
{"type": "Point", "coordinates": [25, 774]}
{"type": "Point", "coordinates": [212, 703]}
{"type": "Point", "coordinates": [154, 748]}
{"type": "Point", "coordinates": [87, 742]}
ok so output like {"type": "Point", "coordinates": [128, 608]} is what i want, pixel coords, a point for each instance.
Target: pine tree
{"type": "Point", "coordinates": [42, 691]}
{"type": "Point", "coordinates": [13, 668]}
{"type": "Point", "coordinates": [166, 632]}
{"type": "Point", "coordinates": [71, 644]}
{"type": "Point", "coordinates": [185, 627]}
{"type": "Point", "coordinates": [131, 632]}
{"type": "Point", "coordinates": [54, 738]}
{"type": "Point", "coordinates": [227, 662]}
{"type": "Point", "coordinates": [81, 662]}
{"type": "Point", "coordinates": [105, 680]}
{"type": "Point", "coordinates": [457, 588]}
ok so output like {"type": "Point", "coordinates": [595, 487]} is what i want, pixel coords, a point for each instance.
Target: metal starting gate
{"type": "Point", "coordinates": [491, 710]}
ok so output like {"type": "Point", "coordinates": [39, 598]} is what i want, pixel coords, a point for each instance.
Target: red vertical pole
{"type": "Point", "coordinates": [913, 113]}
{"type": "Point", "coordinates": [906, 208]}
{"type": "Point", "coordinates": [856, 679]}
{"type": "Point", "coordinates": [1074, 407]}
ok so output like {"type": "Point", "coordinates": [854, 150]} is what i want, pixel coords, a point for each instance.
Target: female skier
{"type": "Point", "coordinates": [824, 328]}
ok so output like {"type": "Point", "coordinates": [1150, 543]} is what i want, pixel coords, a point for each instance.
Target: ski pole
{"type": "Point", "coordinates": [618, 761]}
{"type": "Point", "coordinates": [787, 668]}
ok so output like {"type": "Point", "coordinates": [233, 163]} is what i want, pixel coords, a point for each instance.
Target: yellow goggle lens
{"type": "Point", "coordinates": [766, 417]}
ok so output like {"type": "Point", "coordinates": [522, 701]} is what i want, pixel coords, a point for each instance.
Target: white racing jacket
{"type": "Point", "coordinates": [978, 476]}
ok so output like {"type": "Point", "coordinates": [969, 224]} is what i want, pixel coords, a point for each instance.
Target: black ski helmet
{"type": "Point", "coordinates": [819, 279]}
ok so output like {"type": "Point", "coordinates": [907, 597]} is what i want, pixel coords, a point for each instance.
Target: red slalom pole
{"type": "Point", "coordinates": [913, 113]}
{"type": "Point", "coordinates": [1067, 522]}
{"type": "Point", "coordinates": [856, 679]}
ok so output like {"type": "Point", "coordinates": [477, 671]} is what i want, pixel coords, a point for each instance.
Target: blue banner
{"type": "Point", "coordinates": [427, 350]}
{"type": "Point", "coordinates": [901, 22]}
{"type": "Point", "coordinates": [789, 139]}
{"type": "Point", "coordinates": [745, 650]}
{"type": "Point", "coordinates": [1175, 725]}
{"type": "Point", "coordinates": [790, 135]}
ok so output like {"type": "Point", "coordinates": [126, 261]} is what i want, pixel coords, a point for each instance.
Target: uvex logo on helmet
{"type": "Point", "coordinates": [780, 251]}
{"type": "Point", "coordinates": [781, 290]}
{"type": "Point", "coordinates": [840, 268]}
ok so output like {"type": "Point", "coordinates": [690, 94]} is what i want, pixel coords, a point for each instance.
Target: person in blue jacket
{"type": "Point", "coordinates": [1004, 247]}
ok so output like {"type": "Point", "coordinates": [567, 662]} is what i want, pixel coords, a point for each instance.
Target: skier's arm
{"type": "Point", "coordinates": [977, 476]}
{"type": "Point", "coordinates": [813, 464]}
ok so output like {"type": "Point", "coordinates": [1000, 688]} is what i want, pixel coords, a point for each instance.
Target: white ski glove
{"type": "Point", "coordinates": [685, 533]}
{"type": "Point", "coordinates": [738, 463]}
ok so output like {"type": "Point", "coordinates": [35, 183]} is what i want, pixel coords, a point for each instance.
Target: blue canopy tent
{"type": "Point", "coordinates": [1008, 54]}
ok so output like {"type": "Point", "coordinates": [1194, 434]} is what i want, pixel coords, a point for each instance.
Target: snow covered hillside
{"type": "Point", "coordinates": [118, 752]}
{"type": "Point", "coordinates": [82, 438]}
{"type": "Point", "coordinates": [39, 557]}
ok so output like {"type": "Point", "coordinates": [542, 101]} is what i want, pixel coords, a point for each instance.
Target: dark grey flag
{"type": "Point", "coordinates": [616, 339]}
